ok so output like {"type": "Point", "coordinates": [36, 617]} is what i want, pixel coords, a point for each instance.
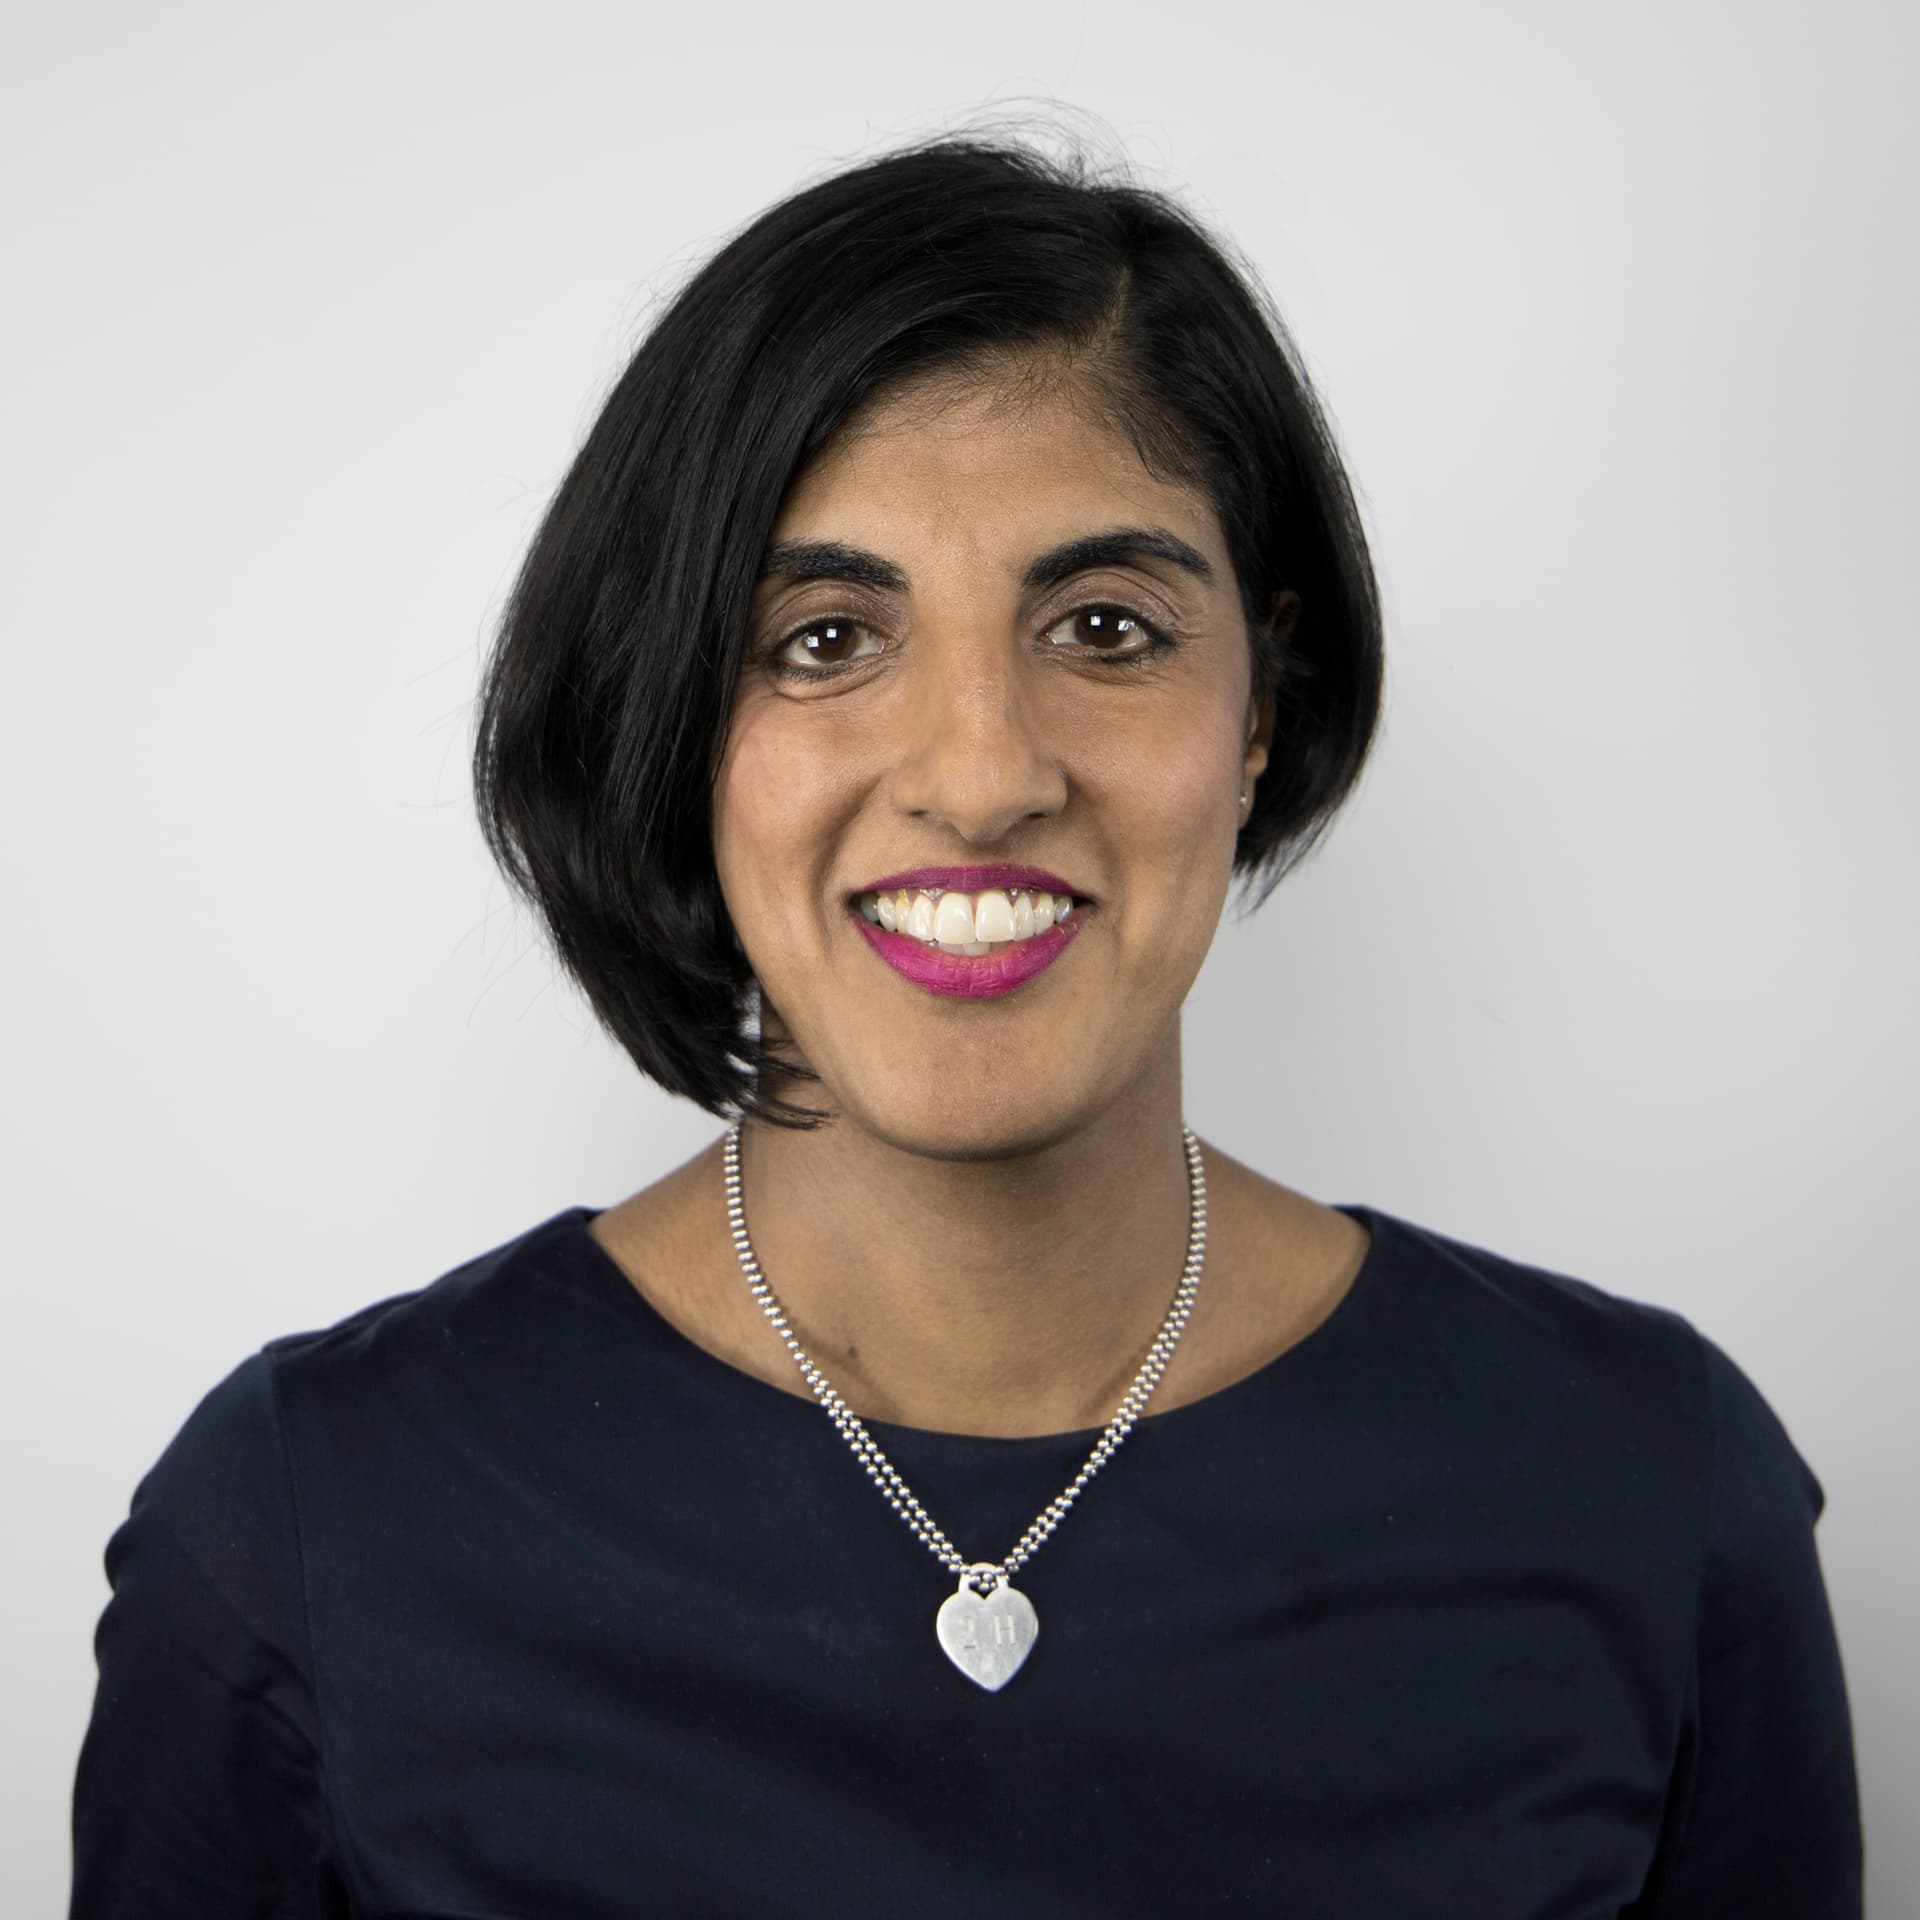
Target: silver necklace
{"type": "Point", "coordinates": [986, 1627]}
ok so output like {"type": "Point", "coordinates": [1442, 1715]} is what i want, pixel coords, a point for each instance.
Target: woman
{"type": "Point", "coordinates": [959, 1490]}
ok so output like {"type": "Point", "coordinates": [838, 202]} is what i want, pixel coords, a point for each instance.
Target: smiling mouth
{"type": "Point", "coordinates": [969, 946]}
{"type": "Point", "coordinates": [974, 925]}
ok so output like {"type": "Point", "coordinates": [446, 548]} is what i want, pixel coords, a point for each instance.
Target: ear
{"type": "Point", "coordinates": [1261, 700]}
{"type": "Point", "coordinates": [1260, 712]}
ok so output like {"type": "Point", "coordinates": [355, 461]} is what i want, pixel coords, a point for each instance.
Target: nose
{"type": "Point", "coordinates": [975, 758]}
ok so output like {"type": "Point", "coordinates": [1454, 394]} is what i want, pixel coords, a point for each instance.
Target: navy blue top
{"type": "Point", "coordinates": [500, 1599]}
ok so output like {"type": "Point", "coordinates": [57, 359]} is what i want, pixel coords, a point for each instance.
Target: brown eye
{"type": "Point", "coordinates": [832, 642]}
{"type": "Point", "coordinates": [1106, 630]}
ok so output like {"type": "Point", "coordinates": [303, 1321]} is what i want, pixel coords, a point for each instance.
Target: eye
{"type": "Point", "coordinates": [823, 644]}
{"type": "Point", "coordinates": [1108, 631]}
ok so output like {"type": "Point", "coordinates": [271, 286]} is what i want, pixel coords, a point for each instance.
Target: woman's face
{"type": "Point", "coordinates": [959, 691]}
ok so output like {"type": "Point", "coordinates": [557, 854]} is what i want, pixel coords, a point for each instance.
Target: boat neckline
{"type": "Point", "coordinates": [571, 1224]}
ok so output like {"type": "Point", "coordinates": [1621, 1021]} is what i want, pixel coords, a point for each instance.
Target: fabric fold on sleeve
{"type": "Point", "coordinates": [198, 1788]}
{"type": "Point", "coordinates": [1763, 1816]}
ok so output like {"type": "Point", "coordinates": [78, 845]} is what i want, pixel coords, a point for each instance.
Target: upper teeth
{"type": "Point", "coordinates": [966, 922]}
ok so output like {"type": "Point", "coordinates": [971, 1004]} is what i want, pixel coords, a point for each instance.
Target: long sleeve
{"type": "Point", "coordinates": [197, 1795]}
{"type": "Point", "coordinates": [1763, 1815]}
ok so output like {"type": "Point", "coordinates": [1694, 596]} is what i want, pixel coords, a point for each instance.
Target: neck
{"type": "Point", "coordinates": [1006, 1296]}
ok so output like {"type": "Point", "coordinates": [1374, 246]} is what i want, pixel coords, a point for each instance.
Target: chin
{"type": "Point", "coordinates": [949, 1120]}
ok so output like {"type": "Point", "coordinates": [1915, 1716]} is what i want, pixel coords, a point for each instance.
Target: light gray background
{"type": "Point", "coordinates": [1608, 967]}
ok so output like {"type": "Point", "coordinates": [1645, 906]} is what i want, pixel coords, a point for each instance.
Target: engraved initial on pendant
{"type": "Point", "coordinates": [987, 1636]}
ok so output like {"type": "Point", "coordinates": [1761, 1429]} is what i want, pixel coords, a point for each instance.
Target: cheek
{"type": "Point", "coordinates": [1173, 800]}
{"type": "Point", "coordinates": [776, 808]}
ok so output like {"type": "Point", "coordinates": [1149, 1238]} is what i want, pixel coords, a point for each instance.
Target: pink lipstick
{"type": "Point", "coordinates": [970, 976]}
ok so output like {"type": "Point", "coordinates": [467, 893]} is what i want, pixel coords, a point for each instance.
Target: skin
{"type": "Point", "coordinates": [987, 1233]}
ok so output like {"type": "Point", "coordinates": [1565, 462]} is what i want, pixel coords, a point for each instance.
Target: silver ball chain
{"type": "Point", "coordinates": [983, 1576]}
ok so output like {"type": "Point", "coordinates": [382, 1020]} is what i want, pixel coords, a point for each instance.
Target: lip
{"type": "Point", "coordinates": [974, 880]}
{"type": "Point", "coordinates": [977, 976]}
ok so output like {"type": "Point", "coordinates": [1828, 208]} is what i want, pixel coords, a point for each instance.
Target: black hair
{"type": "Point", "coordinates": [604, 705]}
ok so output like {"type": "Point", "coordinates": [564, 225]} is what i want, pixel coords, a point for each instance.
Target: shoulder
{"type": "Point", "coordinates": [1761, 1557]}
{"type": "Point", "coordinates": [1669, 1397]}
{"type": "Point", "coordinates": [224, 1493]}
{"type": "Point", "coordinates": [1505, 1318]}
{"type": "Point", "coordinates": [497, 1312]}
{"type": "Point", "coordinates": [212, 1515]}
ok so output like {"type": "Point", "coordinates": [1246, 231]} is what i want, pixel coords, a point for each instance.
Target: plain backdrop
{"type": "Point", "coordinates": [1609, 965]}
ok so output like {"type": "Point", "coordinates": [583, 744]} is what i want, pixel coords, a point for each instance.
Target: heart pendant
{"type": "Point", "coordinates": [987, 1636]}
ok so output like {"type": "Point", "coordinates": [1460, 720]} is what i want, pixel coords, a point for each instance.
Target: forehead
{"type": "Point", "coordinates": [986, 467]}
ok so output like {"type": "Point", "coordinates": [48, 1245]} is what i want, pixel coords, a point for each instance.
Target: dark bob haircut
{"type": "Point", "coordinates": [604, 704]}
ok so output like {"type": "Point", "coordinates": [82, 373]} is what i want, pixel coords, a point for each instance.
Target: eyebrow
{"type": "Point", "coordinates": [800, 560]}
